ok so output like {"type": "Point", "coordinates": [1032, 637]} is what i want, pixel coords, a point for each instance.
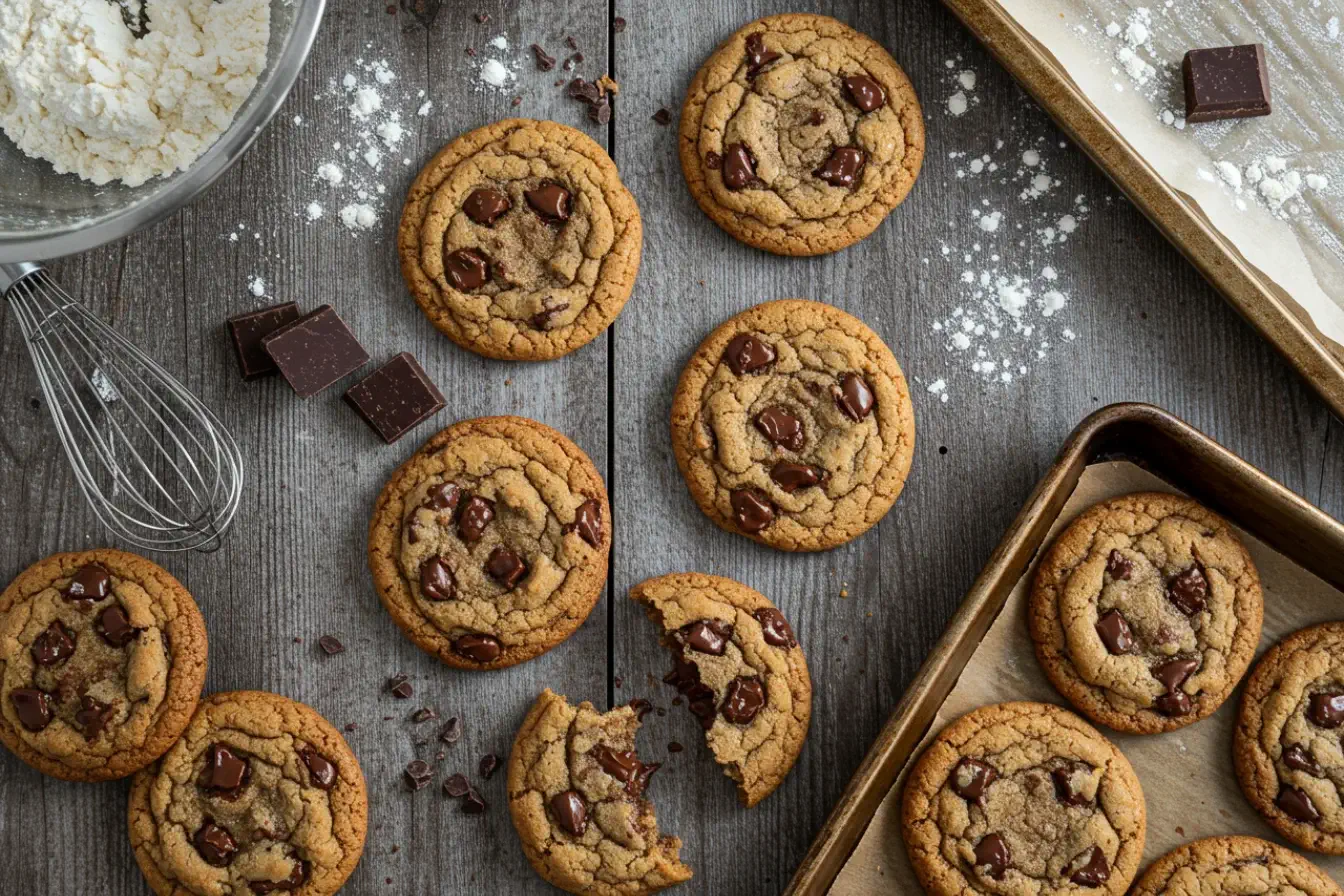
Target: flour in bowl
{"type": "Point", "coordinates": [79, 89]}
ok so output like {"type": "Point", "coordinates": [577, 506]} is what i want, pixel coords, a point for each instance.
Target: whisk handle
{"type": "Point", "coordinates": [13, 273]}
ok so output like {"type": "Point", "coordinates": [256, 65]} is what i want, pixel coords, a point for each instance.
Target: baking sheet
{"type": "Point", "coordinates": [1187, 775]}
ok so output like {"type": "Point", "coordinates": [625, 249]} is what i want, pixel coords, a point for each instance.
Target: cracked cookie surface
{"type": "Point", "coordinates": [792, 425]}
{"type": "Point", "coordinates": [741, 670]}
{"type": "Point", "coordinates": [1023, 799]}
{"type": "Point", "coordinates": [519, 241]}
{"type": "Point", "coordinates": [102, 660]}
{"type": "Point", "coordinates": [260, 795]}
{"type": "Point", "coordinates": [1288, 745]}
{"type": "Point", "coordinates": [799, 135]}
{"type": "Point", "coordinates": [576, 798]}
{"type": "Point", "coordinates": [1233, 866]}
{"type": "Point", "coordinates": [489, 545]}
{"type": "Point", "coordinates": [1146, 612]}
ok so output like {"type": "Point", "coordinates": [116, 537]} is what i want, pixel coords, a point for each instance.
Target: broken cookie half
{"type": "Point", "coordinates": [576, 795]}
{"type": "Point", "coordinates": [740, 670]}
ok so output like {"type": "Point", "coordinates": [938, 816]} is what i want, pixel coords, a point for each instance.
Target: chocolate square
{"type": "Point", "coordinates": [1226, 82]}
{"type": "Point", "coordinates": [395, 397]}
{"type": "Point", "coordinates": [315, 351]}
{"type": "Point", "coordinates": [250, 328]}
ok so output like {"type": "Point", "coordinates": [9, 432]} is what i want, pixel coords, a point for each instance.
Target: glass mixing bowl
{"type": "Point", "coordinates": [45, 215]}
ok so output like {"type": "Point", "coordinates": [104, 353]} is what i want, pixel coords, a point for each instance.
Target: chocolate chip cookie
{"type": "Point", "coordinates": [519, 241]}
{"type": "Point", "coordinates": [1233, 866]}
{"type": "Point", "coordinates": [489, 545]}
{"type": "Point", "coordinates": [793, 426]}
{"type": "Point", "coordinates": [741, 671]}
{"type": "Point", "coordinates": [102, 659]}
{"type": "Point", "coordinates": [1287, 745]}
{"type": "Point", "coordinates": [1023, 798]}
{"type": "Point", "coordinates": [1146, 612]}
{"type": "Point", "coordinates": [576, 795]}
{"type": "Point", "coordinates": [261, 795]}
{"type": "Point", "coordinates": [799, 135]}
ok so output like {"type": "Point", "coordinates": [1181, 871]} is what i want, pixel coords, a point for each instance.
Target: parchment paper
{"type": "Point", "coordinates": [1187, 775]}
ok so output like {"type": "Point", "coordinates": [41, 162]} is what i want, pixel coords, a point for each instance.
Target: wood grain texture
{"type": "Point", "coordinates": [1148, 329]}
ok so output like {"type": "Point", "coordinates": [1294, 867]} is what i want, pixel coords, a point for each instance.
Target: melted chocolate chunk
{"type": "Point", "coordinates": [1114, 631]}
{"type": "Point", "coordinates": [1327, 709]}
{"type": "Point", "coordinates": [443, 496]}
{"type": "Point", "coordinates": [1118, 566]}
{"type": "Point", "coordinates": [1188, 591]}
{"type": "Point", "coordinates": [624, 766]}
{"type": "Point", "coordinates": [321, 770]}
{"type": "Point", "coordinates": [225, 773]}
{"type": "Point", "coordinates": [791, 477]}
{"type": "Point", "coordinates": [115, 626]}
{"type": "Point", "coordinates": [991, 854]}
{"type": "Point", "coordinates": [475, 516]}
{"type": "Point", "coordinates": [436, 580]}
{"type": "Point", "coordinates": [478, 648]}
{"type": "Point", "coordinates": [570, 811]}
{"type": "Point", "coordinates": [1092, 872]}
{"type": "Point", "coordinates": [747, 354]}
{"type": "Point", "coordinates": [53, 646]}
{"type": "Point", "coordinates": [588, 522]}
{"type": "Point", "coordinates": [506, 567]}
{"type": "Point", "coordinates": [467, 269]}
{"type": "Point", "coordinates": [970, 779]}
{"type": "Point", "coordinates": [92, 717]}
{"type": "Point", "coordinates": [758, 55]}
{"type": "Point", "coordinates": [298, 876]}
{"type": "Point", "coordinates": [1172, 674]}
{"type": "Point", "coordinates": [781, 428]}
{"type": "Point", "coordinates": [752, 510]}
{"type": "Point", "coordinates": [743, 700]}
{"type": "Point", "coordinates": [215, 844]}
{"type": "Point", "coordinates": [485, 206]}
{"type": "Point", "coordinates": [865, 93]}
{"type": "Point", "coordinates": [1066, 784]}
{"type": "Point", "coordinates": [545, 319]}
{"type": "Point", "coordinates": [739, 166]}
{"type": "Point", "coordinates": [854, 397]}
{"type": "Point", "coordinates": [699, 697]}
{"type": "Point", "coordinates": [90, 583]}
{"type": "Point", "coordinates": [551, 203]}
{"type": "Point", "coordinates": [1296, 757]}
{"type": "Point", "coordinates": [33, 707]}
{"type": "Point", "coordinates": [1297, 805]}
{"type": "Point", "coordinates": [843, 167]}
{"type": "Point", "coordinates": [774, 628]}
{"type": "Point", "coordinates": [709, 636]}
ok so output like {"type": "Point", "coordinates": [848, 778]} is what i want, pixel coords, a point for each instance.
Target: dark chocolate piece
{"type": "Point", "coordinates": [249, 329]}
{"type": "Point", "coordinates": [315, 351]}
{"type": "Point", "coordinates": [396, 397]}
{"type": "Point", "coordinates": [1226, 82]}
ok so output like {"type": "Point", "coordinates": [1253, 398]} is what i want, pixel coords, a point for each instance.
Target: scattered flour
{"type": "Point", "coordinates": [358, 216]}
{"type": "Point", "coordinates": [497, 72]}
{"type": "Point", "coordinates": [256, 286]}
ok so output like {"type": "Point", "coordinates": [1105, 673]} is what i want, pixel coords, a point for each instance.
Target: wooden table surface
{"type": "Point", "coordinates": [294, 565]}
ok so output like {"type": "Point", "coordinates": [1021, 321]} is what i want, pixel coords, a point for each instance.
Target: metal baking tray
{"type": "Point", "coordinates": [1142, 434]}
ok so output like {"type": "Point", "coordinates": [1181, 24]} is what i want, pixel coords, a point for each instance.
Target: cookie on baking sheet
{"type": "Point", "coordinates": [1233, 866]}
{"type": "Point", "coordinates": [102, 660]}
{"type": "Point", "coordinates": [741, 671]}
{"type": "Point", "coordinates": [261, 795]}
{"type": "Point", "coordinates": [1289, 744]}
{"type": "Point", "coordinates": [489, 545]}
{"type": "Point", "coordinates": [799, 135]}
{"type": "Point", "coordinates": [792, 424]}
{"type": "Point", "coordinates": [519, 241]}
{"type": "Point", "coordinates": [1146, 612]}
{"type": "Point", "coordinates": [1023, 798]}
{"type": "Point", "coordinates": [576, 796]}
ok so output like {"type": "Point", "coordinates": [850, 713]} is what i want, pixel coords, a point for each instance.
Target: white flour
{"type": "Point", "coordinates": [79, 90]}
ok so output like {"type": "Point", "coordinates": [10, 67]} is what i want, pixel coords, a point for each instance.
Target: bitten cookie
{"type": "Point", "coordinates": [102, 659]}
{"type": "Point", "coordinates": [576, 795]}
{"type": "Point", "coordinates": [1233, 866]}
{"type": "Point", "coordinates": [799, 135]}
{"type": "Point", "coordinates": [1146, 612]}
{"type": "Point", "coordinates": [489, 545]}
{"type": "Point", "coordinates": [1287, 746]}
{"type": "Point", "coordinates": [792, 424]}
{"type": "Point", "coordinates": [519, 241]}
{"type": "Point", "coordinates": [741, 671]}
{"type": "Point", "coordinates": [1023, 798]}
{"type": "Point", "coordinates": [261, 795]}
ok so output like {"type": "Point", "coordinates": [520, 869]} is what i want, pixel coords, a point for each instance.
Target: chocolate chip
{"type": "Point", "coordinates": [33, 707]}
{"type": "Point", "coordinates": [551, 203]}
{"type": "Point", "coordinates": [674, 747]}
{"type": "Point", "coordinates": [443, 496]}
{"type": "Point", "coordinates": [584, 91]}
{"type": "Point", "coordinates": [1327, 709]}
{"type": "Point", "coordinates": [1297, 805]}
{"type": "Point", "coordinates": [452, 731]}
{"type": "Point", "coordinates": [225, 773]}
{"type": "Point", "coordinates": [600, 111]}
{"type": "Point", "coordinates": [321, 770]}
{"type": "Point", "coordinates": [752, 510]}
{"type": "Point", "coordinates": [781, 427]}
{"type": "Point", "coordinates": [570, 811]}
{"type": "Point", "coordinates": [971, 778]}
{"type": "Point", "coordinates": [331, 645]}
{"type": "Point", "coordinates": [477, 647]}
{"type": "Point", "coordinates": [865, 92]}
{"type": "Point", "coordinates": [467, 269]}
{"type": "Point", "coordinates": [709, 636]}
{"type": "Point", "coordinates": [115, 626]}
{"type": "Point", "coordinates": [758, 55]}
{"type": "Point", "coordinates": [747, 354]}
{"type": "Point", "coordinates": [90, 582]}
{"type": "Point", "coordinates": [418, 774]}
{"type": "Point", "coordinates": [743, 700]}
{"type": "Point", "coordinates": [739, 166]}
{"type": "Point", "coordinates": [476, 515]}
{"type": "Point", "coordinates": [1119, 566]}
{"type": "Point", "coordinates": [545, 319]}
{"type": "Point", "coordinates": [791, 476]}
{"type": "Point", "coordinates": [624, 766]}
{"type": "Point", "coordinates": [641, 707]}
{"type": "Point", "coordinates": [215, 844]}
{"type": "Point", "coordinates": [685, 677]}
{"type": "Point", "coordinates": [1225, 82]}
{"type": "Point", "coordinates": [774, 628]}
{"type": "Point", "coordinates": [54, 645]}
{"type": "Point", "coordinates": [456, 785]}
{"type": "Point", "coordinates": [1188, 591]}
{"type": "Point", "coordinates": [473, 804]}
{"type": "Point", "coordinates": [713, 160]}
{"type": "Point", "coordinates": [92, 717]}
{"type": "Point", "coordinates": [484, 206]}
{"type": "Point", "coordinates": [991, 853]}
{"type": "Point", "coordinates": [545, 61]}
{"type": "Point", "coordinates": [1094, 871]}
{"type": "Point", "coordinates": [816, 118]}
{"type": "Point", "coordinates": [423, 714]}
{"type": "Point", "coordinates": [588, 522]}
{"type": "Point", "coordinates": [400, 686]}
{"type": "Point", "coordinates": [1067, 780]}
{"type": "Point", "coordinates": [618, 25]}
{"type": "Point", "coordinates": [662, 116]}
{"type": "Point", "coordinates": [1172, 674]}
{"type": "Point", "coordinates": [1296, 757]}
{"type": "Point", "coordinates": [436, 580]}
{"type": "Point", "coordinates": [854, 397]}
{"type": "Point", "coordinates": [505, 567]}
{"type": "Point", "coordinates": [843, 167]}
{"type": "Point", "coordinates": [489, 762]}
{"type": "Point", "coordinates": [298, 876]}
{"type": "Point", "coordinates": [1114, 631]}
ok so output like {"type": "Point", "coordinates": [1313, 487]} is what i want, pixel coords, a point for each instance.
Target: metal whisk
{"type": "Point", "coordinates": [157, 466]}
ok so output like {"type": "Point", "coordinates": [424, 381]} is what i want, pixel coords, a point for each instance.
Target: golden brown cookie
{"type": "Point", "coordinates": [799, 135]}
{"type": "Point", "coordinates": [489, 545]}
{"type": "Point", "coordinates": [741, 671]}
{"type": "Point", "coordinates": [1146, 612]}
{"type": "Point", "coordinates": [261, 795]}
{"type": "Point", "coordinates": [519, 241]}
{"type": "Point", "coordinates": [102, 659]}
{"type": "Point", "coordinates": [792, 424]}
{"type": "Point", "coordinates": [1287, 746]}
{"type": "Point", "coordinates": [576, 795]}
{"type": "Point", "coordinates": [1233, 866]}
{"type": "Point", "coordinates": [1023, 799]}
